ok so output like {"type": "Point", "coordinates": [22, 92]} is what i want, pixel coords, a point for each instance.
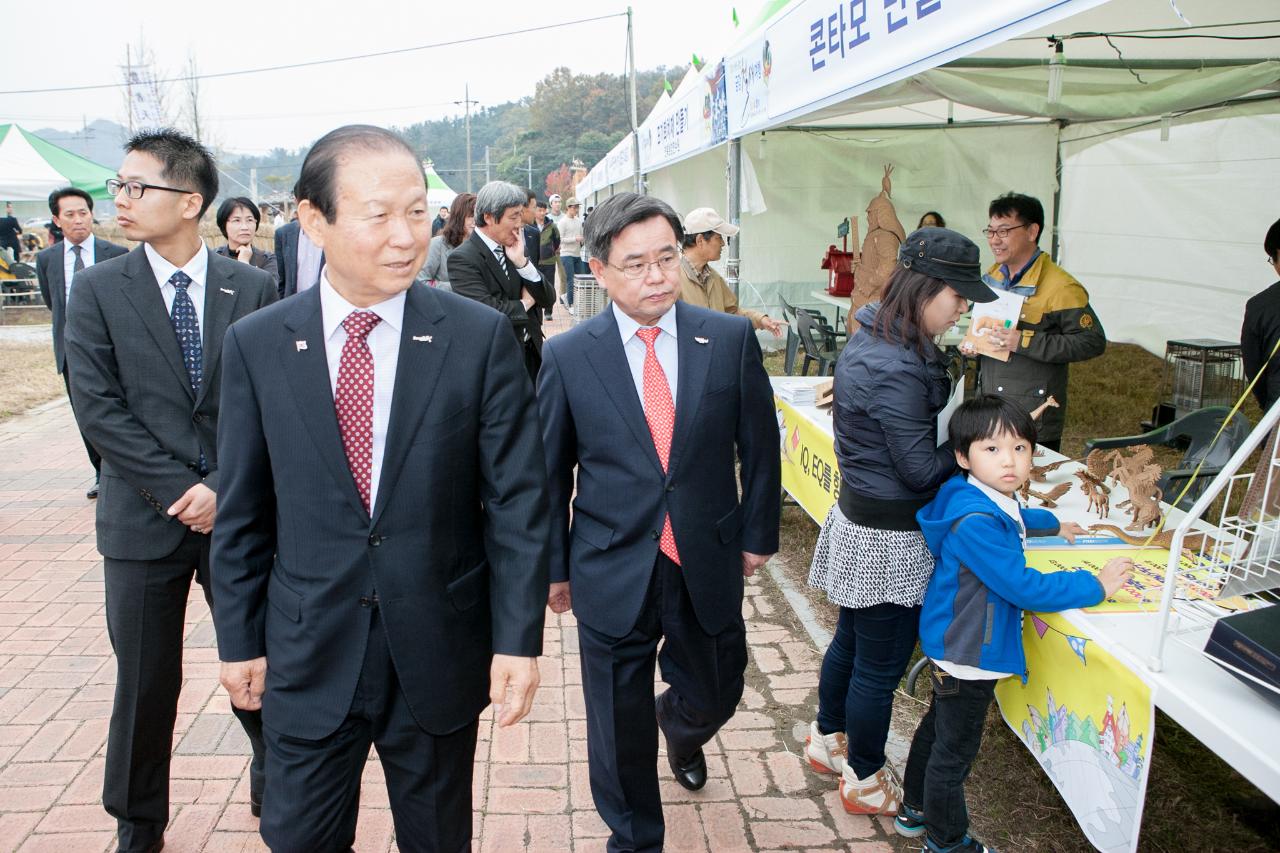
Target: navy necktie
{"type": "Point", "coordinates": [187, 328]}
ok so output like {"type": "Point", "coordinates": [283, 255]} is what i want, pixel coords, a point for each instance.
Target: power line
{"type": "Point", "coordinates": [315, 62]}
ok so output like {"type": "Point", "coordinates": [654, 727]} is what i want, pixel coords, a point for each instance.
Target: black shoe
{"type": "Point", "coordinates": [255, 804]}
{"type": "Point", "coordinates": [691, 773]}
{"type": "Point", "coordinates": [92, 494]}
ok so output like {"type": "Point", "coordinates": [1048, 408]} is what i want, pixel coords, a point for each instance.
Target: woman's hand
{"type": "Point", "coordinates": [245, 253]}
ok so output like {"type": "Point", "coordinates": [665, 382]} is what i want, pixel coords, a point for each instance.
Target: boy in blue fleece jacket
{"type": "Point", "coordinates": [971, 621]}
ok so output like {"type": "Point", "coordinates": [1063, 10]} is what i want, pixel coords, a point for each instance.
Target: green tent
{"type": "Point", "coordinates": [31, 168]}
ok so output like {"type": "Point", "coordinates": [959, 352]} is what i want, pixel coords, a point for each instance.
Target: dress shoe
{"type": "Point", "coordinates": [155, 847]}
{"type": "Point", "coordinates": [692, 772]}
{"type": "Point", "coordinates": [255, 804]}
{"type": "Point", "coordinates": [92, 494]}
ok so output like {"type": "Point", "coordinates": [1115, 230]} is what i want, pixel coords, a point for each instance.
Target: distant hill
{"type": "Point", "coordinates": [101, 144]}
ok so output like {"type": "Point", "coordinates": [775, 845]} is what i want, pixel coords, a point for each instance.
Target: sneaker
{"type": "Point", "coordinates": [909, 822]}
{"type": "Point", "coordinates": [826, 752]}
{"type": "Point", "coordinates": [968, 844]}
{"type": "Point", "coordinates": [879, 793]}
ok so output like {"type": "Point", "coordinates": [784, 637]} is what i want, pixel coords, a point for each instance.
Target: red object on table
{"type": "Point", "coordinates": [840, 265]}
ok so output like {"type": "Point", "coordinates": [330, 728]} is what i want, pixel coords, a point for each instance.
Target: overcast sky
{"type": "Point", "coordinates": [257, 112]}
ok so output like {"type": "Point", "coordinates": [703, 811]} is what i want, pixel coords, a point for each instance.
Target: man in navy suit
{"type": "Point", "coordinates": [380, 554]}
{"type": "Point", "coordinates": [298, 260]}
{"type": "Point", "coordinates": [56, 269]}
{"type": "Point", "coordinates": [654, 402]}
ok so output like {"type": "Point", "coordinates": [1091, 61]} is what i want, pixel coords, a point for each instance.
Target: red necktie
{"type": "Point", "coordinates": [660, 412]}
{"type": "Point", "coordinates": [354, 399]}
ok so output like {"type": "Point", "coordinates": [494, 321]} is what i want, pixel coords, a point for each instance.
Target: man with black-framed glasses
{"type": "Point", "coordinates": [1057, 325]}
{"type": "Point", "coordinates": [143, 345]}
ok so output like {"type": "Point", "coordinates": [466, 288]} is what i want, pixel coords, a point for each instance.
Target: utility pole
{"type": "Point", "coordinates": [486, 164]}
{"type": "Point", "coordinates": [253, 183]}
{"type": "Point", "coordinates": [529, 170]}
{"type": "Point", "coordinates": [467, 102]}
{"type": "Point", "coordinates": [128, 80]}
{"type": "Point", "coordinates": [631, 86]}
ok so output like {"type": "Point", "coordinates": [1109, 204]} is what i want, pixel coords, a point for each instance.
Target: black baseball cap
{"type": "Point", "coordinates": [948, 255]}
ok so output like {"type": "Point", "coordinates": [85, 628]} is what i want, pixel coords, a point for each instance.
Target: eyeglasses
{"type": "Point", "coordinates": [1002, 232]}
{"type": "Point", "coordinates": [136, 189]}
{"type": "Point", "coordinates": [638, 269]}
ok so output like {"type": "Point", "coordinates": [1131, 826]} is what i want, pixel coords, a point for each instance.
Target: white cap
{"type": "Point", "coordinates": [706, 219]}
{"type": "Point", "coordinates": [554, 197]}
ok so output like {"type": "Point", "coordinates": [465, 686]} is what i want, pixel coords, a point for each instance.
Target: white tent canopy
{"type": "Point", "coordinates": [1161, 218]}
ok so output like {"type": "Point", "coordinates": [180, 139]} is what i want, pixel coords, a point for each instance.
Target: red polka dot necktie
{"type": "Point", "coordinates": [660, 412]}
{"type": "Point", "coordinates": [354, 399]}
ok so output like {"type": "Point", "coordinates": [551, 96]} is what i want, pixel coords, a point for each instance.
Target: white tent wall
{"type": "Point", "coordinates": [812, 180]}
{"type": "Point", "coordinates": [1167, 235]}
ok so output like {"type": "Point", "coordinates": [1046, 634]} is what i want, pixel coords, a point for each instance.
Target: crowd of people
{"type": "Point", "coordinates": [382, 485]}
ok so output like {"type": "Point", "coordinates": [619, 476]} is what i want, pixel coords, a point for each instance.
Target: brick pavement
{"type": "Point", "coordinates": [531, 794]}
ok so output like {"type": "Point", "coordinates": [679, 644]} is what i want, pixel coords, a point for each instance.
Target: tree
{"type": "Point", "coordinates": [560, 182]}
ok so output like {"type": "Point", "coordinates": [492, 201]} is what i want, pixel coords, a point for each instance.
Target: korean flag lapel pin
{"type": "Point", "coordinates": [227, 291]}
{"type": "Point", "coordinates": [300, 346]}
{"type": "Point", "coordinates": [422, 339]}
{"type": "Point", "coordinates": [702, 340]}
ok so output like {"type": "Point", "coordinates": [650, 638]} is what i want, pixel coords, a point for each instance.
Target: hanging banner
{"type": "Point", "coordinates": [682, 129]}
{"type": "Point", "coordinates": [747, 87]}
{"type": "Point", "coordinates": [715, 109]}
{"type": "Point", "coordinates": [824, 50]}
{"type": "Point", "coordinates": [810, 473]}
{"type": "Point", "coordinates": [1089, 721]}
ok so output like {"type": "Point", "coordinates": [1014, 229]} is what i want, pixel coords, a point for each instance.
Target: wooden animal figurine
{"type": "Point", "coordinates": [1049, 499]}
{"type": "Point", "coordinates": [1097, 492]}
{"type": "Point", "coordinates": [1163, 539]}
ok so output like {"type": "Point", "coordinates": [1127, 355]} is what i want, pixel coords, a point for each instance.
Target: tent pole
{"type": "Point", "coordinates": [1057, 188]}
{"type": "Point", "coordinates": [631, 92]}
{"type": "Point", "coordinates": [735, 212]}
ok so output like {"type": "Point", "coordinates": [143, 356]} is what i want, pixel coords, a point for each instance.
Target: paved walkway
{"type": "Point", "coordinates": [531, 794]}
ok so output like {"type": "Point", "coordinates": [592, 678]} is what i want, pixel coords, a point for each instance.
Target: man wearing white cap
{"type": "Point", "coordinates": [554, 213]}
{"type": "Point", "coordinates": [705, 232]}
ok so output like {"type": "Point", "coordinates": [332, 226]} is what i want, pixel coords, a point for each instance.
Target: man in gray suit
{"type": "Point", "coordinates": [144, 343]}
{"type": "Point", "coordinates": [56, 269]}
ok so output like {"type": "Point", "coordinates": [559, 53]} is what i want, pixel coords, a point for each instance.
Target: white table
{"type": "Point", "coordinates": [840, 303]}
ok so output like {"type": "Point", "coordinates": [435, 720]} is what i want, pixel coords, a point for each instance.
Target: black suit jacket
{"type": "Point", "coordinates": [593, 420]}
{"type": "Point", "coordinates": [287, 258]}
{"type": "Point", "coordinates": [474, 272]}
{"type": "Point", "coordinates": [455, 551]}
{"type": "Point", "coordinates": [265, 261]}
{"type": "Point", "coordinates": [50, 272]}
{"type": "Point", "coordinates": [133, 397]}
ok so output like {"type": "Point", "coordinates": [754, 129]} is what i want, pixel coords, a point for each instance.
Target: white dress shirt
{"type": "Point", "coordinates": [309, 255]}
{"type": "Point", "coordinates": [69, 261]}
{"type": "Point", "coordinates": [384, 344]}
{"type": "Point", "coordinates": [664, 346]}
{"type": "Point", "coordinates": [197, 269]}
{"type": "Point", "coordinates": [528, 272]}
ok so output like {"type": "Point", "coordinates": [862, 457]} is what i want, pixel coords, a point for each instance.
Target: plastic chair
{"type": "Point", "coordinates": [793, 339]}
{"type": "Point", "coordinates": [819, 342]}
{"type": "Point", "coordinates": [1197, 431]}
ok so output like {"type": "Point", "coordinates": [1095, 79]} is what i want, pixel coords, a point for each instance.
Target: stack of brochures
{"type": "Point", "coordinates": [798, 394]}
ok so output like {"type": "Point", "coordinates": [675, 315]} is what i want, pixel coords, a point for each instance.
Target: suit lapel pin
{"type": "Point", "coordinates": [227, 291]}
{"type": "Point", "coordinates": [426, 339]}
{"type": "Point", "coordinates": [301, 345]}
{"type": "Point", "coordinates": [702, 340]}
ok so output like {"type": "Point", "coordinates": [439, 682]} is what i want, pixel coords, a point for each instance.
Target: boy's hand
{"type": "Point", "coordinates": [1069, 530]}
{"type": "Point", "coordinates": [1115, 573]}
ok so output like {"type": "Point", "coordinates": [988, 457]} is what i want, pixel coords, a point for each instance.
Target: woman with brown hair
{"type": "Point", "coordinates": [891, 383]}
{"type": "Point", "coordinates": [457, 228]}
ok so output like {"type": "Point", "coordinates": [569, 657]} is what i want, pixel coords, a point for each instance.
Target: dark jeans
{"type": "Point", "coordinates": [942, 753]}
{"type": "Point", "coordinates": [572, 267]}
{"type": "Point", "coordinates": [861, 669]}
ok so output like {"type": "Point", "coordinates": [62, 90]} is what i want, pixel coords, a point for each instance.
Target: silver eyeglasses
{"type": "Point", "coordinates": [638, 269]}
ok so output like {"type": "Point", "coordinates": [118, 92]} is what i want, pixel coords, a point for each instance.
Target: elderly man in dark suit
{"type": "Point", "coordinates": [652, 404]}
{"type": "Point", "coordinates": [380, 556]}
{"type": "Point", "coordinates": [56, 269]}
{"type": "Point", "coordinates": [493, 266]}
{"type": "Point", "coordinates": [144, 337]}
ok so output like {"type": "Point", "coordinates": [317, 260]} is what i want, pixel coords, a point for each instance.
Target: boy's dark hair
{"type": "Point", "coordinates": [1025, 207]}
{"type": "Point", "coordinates": [56, 197]}
{"type": "Point", "coordinates": [1271, 244]}
{"type": "Point", "coordinates": [187, 165]}
{"type": "Point", "coordinates": [986, 416]}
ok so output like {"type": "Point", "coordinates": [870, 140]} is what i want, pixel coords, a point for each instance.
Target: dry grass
{"type": "Point", "coordinates": [1194, 799]}
{"type": "Point", "coordinates": [27, 377]}
{"type": "Point", "coordinates": [25, 315]}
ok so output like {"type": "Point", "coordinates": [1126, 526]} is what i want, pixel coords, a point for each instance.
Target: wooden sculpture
{"type": "Point", "coordinates": [1144, 494]}
{"type": "Point", "coordinates": [879, 256]}
{"type": "Point", "coordinates": [1163, 539]}
{"type": "Point", "coordinates": [1097, 492]}
{"type": "Point", "coordinates": [1040, 473]}
{"type": "Point", "coordinates": [1049, 499]}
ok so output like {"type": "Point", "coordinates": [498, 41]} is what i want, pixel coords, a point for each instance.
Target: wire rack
{"type": "Point", "coordinates": [1226, 549]}
{"type": "Point", "coordinates": [589, 298]}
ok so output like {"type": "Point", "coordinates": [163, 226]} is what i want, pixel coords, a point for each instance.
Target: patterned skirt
{"type": "Point", "coordinates": [859, 566]}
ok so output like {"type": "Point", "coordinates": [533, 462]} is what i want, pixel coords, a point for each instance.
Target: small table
{"type": "Point", "coordinates": [840, 303]}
